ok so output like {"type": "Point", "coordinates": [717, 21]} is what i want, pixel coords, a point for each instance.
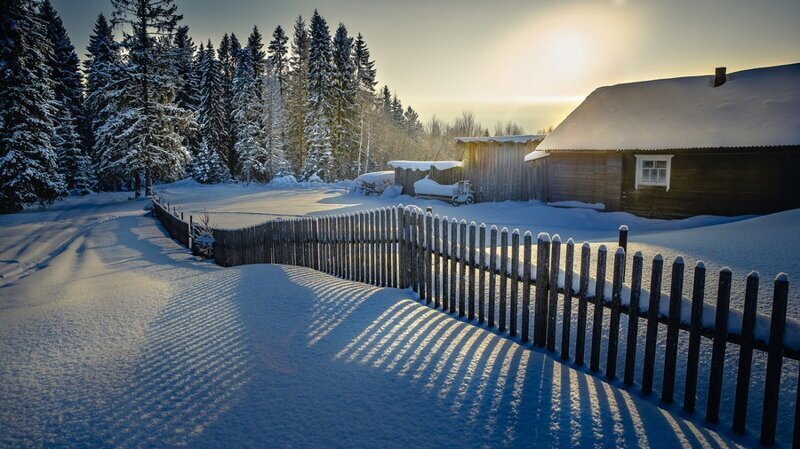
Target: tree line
{"type": "Point", "coordinates": [147, 104]}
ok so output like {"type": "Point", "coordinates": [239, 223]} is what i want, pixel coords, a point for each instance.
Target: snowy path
{"type": "Point", "coordinates": [123, 339]}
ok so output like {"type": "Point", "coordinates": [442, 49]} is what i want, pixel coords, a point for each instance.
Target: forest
{"type": "Point", "coordinates": [148, 104]}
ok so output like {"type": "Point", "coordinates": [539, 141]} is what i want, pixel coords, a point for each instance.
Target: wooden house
{"type": "Point", "coordinates": [722, 144]}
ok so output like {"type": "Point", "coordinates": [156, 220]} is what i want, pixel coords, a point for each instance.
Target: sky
{"type": "Point", "coordinates": [528, 61]}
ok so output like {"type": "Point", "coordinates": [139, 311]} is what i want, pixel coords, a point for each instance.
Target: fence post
{"type": "Point", "coordinates": [552, 307]}
{"type": "Point", "coordinates": [437, 242]}
{"type": "Point", "coordinates": [501, 318]}
{"type": "Point", "coordinates": [446, 261]}
{"type": "Point", "coordinates": [616, 305]}
{"type": "Point", "coordinates": [652, 325]}
{"type": "Point", "coordinates": [772, 381]}
{"type": "Point", "coordinates": [745, 353]}
{"type": "Point", "coordinates": [453, 263]}
{"type": "Point", "coordinates": [428, 264]}
{"type": "Point", "coordinates": [580, 333]}
{"type": "Point", "coordinates": [472, 271]}
{"type": "Point", "coordinates": [633, 319]}
{"type": "Point", "coordinates": [481, 273]}
{"type": "Point", "coordinates": [492, 275]}
{"type": "Point", "coordinates": [514, 279]}
{"type": "Point", "coordinates": [540, 303]}
{"type": "Point", "coordinates": [191, 234]}
{"type": "Point", "coordinates": [526, 287]}
{"type": "Point", "coordinates": [673, 321]}
{"type": "Point", "coordinates": [718, 351]}
{"type": "Point", "coordinates": [462, 282]}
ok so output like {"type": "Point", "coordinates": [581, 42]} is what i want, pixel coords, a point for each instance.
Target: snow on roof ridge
{"type": "Point", "coordinates": [521, 138]}
{"type": "Point", "coordinates": [757, 107]}
{"type": "Point", "coordinates": [425, 165]}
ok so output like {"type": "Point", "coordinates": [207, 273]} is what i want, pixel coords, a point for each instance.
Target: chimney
{"type": "Point", "coordinates": [720, 77]}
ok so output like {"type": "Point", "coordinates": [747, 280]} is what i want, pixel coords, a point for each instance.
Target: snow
{"type": "Point", "coordinates": [425, 165]}
{"type": "Point", "coordinates": [427, 186]}
{"type": "Point", "coordinates": [577, 204]}
{"type": "Point", "coordinates": [503, 139]}
{"type": "Point", "coordinates": [125, 339]}
{"type": "Point", "coordinates": [377, 176]}
{"type": "Point", "coordinates": [535, 155]}
{"type": "Point", "coordinates": [286, 180]}
{"type": "Point", "coordinates": [391, 192]}
{"type": "Point", "coordinates": [757, 107]}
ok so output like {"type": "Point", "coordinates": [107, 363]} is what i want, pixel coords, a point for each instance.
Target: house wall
{"type": "Point", "coordinates": [498, 171]}
{"type": "Point", "coordinates": [717, 182]}
{"type": "Point", "coordinates": [588, 176]}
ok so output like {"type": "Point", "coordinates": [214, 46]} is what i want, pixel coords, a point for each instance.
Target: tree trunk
{"type": "Point", "coordinates": [148, 181]}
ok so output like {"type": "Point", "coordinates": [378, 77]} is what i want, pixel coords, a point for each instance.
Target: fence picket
{"type": "Point", "coordinates": [444, 249]}
{"type": "Point", "coordinates": [772, 381]}
{"type": "Point", "coordinates": [428, 263]}
{"type": "Point", "coordinates": [492, 276]}
{"type": "Point", "coordinates": [453, 263]}
{"type": "Point", "coordinates": [652, 325]}
{"type": "Point", "coordinates": [552, 302]}
{"type": "Point", "coordinates": [720, 341]}
{"type": "Point", "coordinates": [633, 319]}
{"type": "Point", "coordinates": [580, 332]}
{"type": "Point", "coordinates": [526, 287]}
{"type": "Point", "coordinates": [481, 273]}
{"type": "Point", "coordinates": [501, 319]}
{"type": "Point", "coordinates": [616, 306]}
{"type": "Point", "coordinates": [566, 322]}
{"type": "Point", "coordinates": [437, 264]}
{"type": "Point", "coordinates": [597, 319]}
{"type": "Point", "coordinates": [693, 356]}
{"type": "Point", "coordinates": [472, 270]}
{"type": "Point", "coordinates": [673, 321]}
{"type": "Point", "coordinates": [514, 279]}
{"type": "Point", "coordinates": [745, 353]}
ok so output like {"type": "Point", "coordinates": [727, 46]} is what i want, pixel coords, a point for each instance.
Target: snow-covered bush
{"type": "Point", "coordinates": [203, 236]}
{"type": "Point", "coordinates": [314, 179]}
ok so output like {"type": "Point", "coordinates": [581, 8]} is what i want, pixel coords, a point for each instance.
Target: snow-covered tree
{"type": "Point", "coordinates": [273, 119]}
{"type": "Point", "coordinates": [344, 97]}
{"type": "Point", "coordinates": [147, 123]}
{"type": "Point", "coordinates": [101, 60]}
{"type": "Point", "coordinates": [207, 167]}
{"type": "Point", "coordinates": [255, 46]}
{"type": "Point", "coordinates": [28, 172]}
{"type": "Point", "coordinates": [188, 96]}
{"type": "Point", "coordinates": [250, 139]}
{"type": "Point", "coordinates": [365, 101]}
{"type": "Point", "coordinates": [319, 155]}
{"type": "Point", "coordinates": [297, 98]}
{"type": "Point", "coordinates": [212, 114]}
{"type": "Point", "coordinates": [229, 50]}
{"type": "Point", "coordinates": [412, 125]}
{"type": "Point", "coordinates": [73, 135]}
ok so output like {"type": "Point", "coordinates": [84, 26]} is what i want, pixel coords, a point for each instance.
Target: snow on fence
{"type": "Point", "coordinates": [459, 273]}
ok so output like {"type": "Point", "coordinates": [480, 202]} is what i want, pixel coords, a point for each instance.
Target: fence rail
{"type": "Point", "coordinates": [450, 266]}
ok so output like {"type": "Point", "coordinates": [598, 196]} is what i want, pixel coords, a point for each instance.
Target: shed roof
{"type": "Point", "coordinates": [528, 138]}
{"type": "Point", "coordinates": [425, 165]}
{"type": "Point", "coordinates": [754, 108]}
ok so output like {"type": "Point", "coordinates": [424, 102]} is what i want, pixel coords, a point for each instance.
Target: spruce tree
{"type": "Point", "coordinates": [148, 116]}
{"type": "Point", "coordinates": [207, 168]}
{"type": "Point", "coordinates": [212, 114]}
{"type": "Point", "coordinates": [273, 119]}
{"type": "Point", "coordinates": [412, 125]}
{"type": "Point", "coordinates": [250, 137]}
{"type": "Point", "coordinates": [344, 95]}
{"type": "Point", "coordinates": [278, 58]}
{"type": "Point", "coordinates": [101, 59]}
{"type": "Point", "coordinates": [228, 54]}
{"type": "Point", "coordinates": [70, 115]}
{"type": "Point", "coordinates": [188, 96]}
{"type": "Point", "coordinates": [255, 46]}
{"type": "Point", "coordinates": [296, 102]}
{"type": "Point", "coordinates": [365, 102]}
{"type": "Point", "coordinates": [319, 156]}
{"type": "Point", "coordinates": [28, 172]}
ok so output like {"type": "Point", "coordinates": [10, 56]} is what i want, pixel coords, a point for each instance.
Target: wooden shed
{"type": "Point", "coordinates": [722, 144]}
{"type": "Point", "coordinates": [497, 169]}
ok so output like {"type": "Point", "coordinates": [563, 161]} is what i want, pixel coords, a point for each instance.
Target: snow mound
{"type": "Point", "coordinates": [283, 181]}
{"type": "Point", "coordinates": [427, 186]}
{"type": "Point", "coordinates": [391, 192]}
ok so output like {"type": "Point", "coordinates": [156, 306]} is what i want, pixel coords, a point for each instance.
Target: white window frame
{"type": "Point", "coordinates": [652, 157]}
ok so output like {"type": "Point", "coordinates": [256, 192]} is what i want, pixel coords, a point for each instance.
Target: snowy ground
{"type": "Point", "coordinates": [118, 337]}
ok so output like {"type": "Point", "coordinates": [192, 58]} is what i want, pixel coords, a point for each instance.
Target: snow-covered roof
{"type": "Point", "coordinates": [536, 154]}
{"type": "Point", "coordinates": [503, 139]}
{"type": "Point", "coordinates": [425, 165]}
{"type": "Point", "coordinates": [756, 107]}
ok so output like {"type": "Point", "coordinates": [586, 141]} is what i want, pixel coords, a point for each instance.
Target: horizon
{"type": "Point", "coordinates": [556, 53]}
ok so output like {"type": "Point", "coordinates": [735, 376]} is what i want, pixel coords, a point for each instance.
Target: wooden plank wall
{"type": "Point", "coordinates": [717, 182]}
{"type": "Point", "coordinates": [498, 171]}
{"type": "Point", "coordinates": [591, 177]}
{"type": "Point", "coordinates": [407, 178]}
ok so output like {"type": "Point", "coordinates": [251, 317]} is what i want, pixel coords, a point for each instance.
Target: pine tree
{"type": "Point", "coordinates": [228, 54]}
{"type": "Point", "coordinates": [412, 125]}
{"type": "Point", "coordinates": [28, 172]}
{"type": "Point", "coordinates": [319, 156]}
{"type": "Point", "coordinates": [278, 58]}
{"type": "Point", "coordinates": [386, 95]}
{"type": "Point", "coordinates": [345, 87]}
{"type": "Point", "coordinates": [250, 139]}
{"type": "Point", "coordinates": [73, 133]}
{"type": "Point", "coordinates": [211, 116]}
{"type": "Point", "coordinates": [147, 115]}
{"type": "Point", "coordinates": [296, 102]}
{"type": "Point", "coordinates": [397, 113]}
{"type": "Point", "coordinates": [101, 59]}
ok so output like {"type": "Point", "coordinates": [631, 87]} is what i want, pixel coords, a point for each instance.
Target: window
{"type": "Point", "coordinates": [653, 170]}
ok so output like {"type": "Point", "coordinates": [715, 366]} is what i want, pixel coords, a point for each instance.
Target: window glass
{"type": "Point", "coordinates": [654, 171]}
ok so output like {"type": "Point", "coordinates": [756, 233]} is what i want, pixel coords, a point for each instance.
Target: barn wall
{"type": "Point", "coordinates": [718, 182]}
{"type": "Point", "coordinates": [591, 177]}
{"type": "Point", "coordinates": [407, 178]}
{"type": "Point", "coordinates": [498, 171]}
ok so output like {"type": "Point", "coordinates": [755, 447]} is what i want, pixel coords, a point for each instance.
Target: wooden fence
{"type": "Point", "coordinates": [520, 296]}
